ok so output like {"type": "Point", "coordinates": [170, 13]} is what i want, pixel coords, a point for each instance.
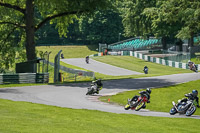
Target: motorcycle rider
{"type": "Point", "coordinates": [99, 85]}
{"type": "Point", "coordinates": [145, 70]}
{"type": "Point", "coordinates": [191, 64]}
{"type": "Point", "coordinates": [191, 96]}
{"type": "Point", "coordinates": [87, 59]}
{"type": "Point", "coordinates": [144, 93]}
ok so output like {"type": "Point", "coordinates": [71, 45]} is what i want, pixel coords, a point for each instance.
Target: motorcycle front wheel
{"type": "Point", "coordinates": [90, 91]}
{"type": "Point", "coordinates": [172, 111]}
{"type": "Point", "coordinates": [127, 107]}
{"type": "Point", "coordinates": [190, 111]}
{"type": "Point", "coordinates": [139, 106]}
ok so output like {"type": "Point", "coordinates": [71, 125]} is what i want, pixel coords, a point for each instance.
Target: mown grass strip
{"type": "Point", "coordinates": [33, 118]}
{"type": "Point", "coordinates": [161, 98]}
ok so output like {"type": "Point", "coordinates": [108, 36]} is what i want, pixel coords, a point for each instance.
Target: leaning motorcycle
{"type": "Point", "coordinates": [93, 89]}
{"type": "Point", "coordinates": [146, 70]}
{"type": "Point", "coordinates": [188, 108]}
{"type": "Point", "coordinates": [194, 68]}
{"type": "Point", "coordinates": [136, 103]}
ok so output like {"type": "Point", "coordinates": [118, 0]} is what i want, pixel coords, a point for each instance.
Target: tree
{"type": "Point", "coordinates": [25, 17]}
{"type": "Point", "coordinates": [176, 18]}
{"type": "Point", "coordinates": [163, 24]}
{"type": "Point", "coordinates": [166, 19]}
{"type": "Point", "coordinates": [134, 21]}
{"type": "Point", "coordinates": [102, 27]}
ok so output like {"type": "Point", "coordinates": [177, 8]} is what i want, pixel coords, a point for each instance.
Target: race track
{"type": "Point", "coordinates": [73, 95]}
{"type": "Point", "coordinates": [99, 67]}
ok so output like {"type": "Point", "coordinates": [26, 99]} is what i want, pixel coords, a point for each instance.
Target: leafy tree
{"type": "Point", "coordinates": [102, 27]}
{"type": "Point", "coordinates": [187, 12]}
{"type": "Point", "coordinates": [135, 22]}
{"type": "Point", "coordinates": [175, 18]}
{"type": "Point", "coordinates": [25, 17]}
{"type": "Point", "coordinates": [166, 19]}
{"type": "Point", "coordinates": [161, 21]}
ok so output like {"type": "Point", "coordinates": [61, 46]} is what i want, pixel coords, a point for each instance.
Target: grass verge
{"type": "Point", "coordinates": [34, 118]}
{"type": "Point", "coordinates": [73, 51]}
{"type": "Point", "coordinates": [161, 99]}
{"type": "Point", "coordinates": [135, 64]}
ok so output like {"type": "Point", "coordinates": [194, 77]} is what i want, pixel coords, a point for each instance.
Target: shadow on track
{"type": "Point", "coordinates": [126, 83]}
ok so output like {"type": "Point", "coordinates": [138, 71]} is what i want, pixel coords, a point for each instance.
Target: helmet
{"type": "Point", "coordinates": [148, 90]}
{"type": "Point", "coordinates": [99, 80]}
{"type": "Point", "coordinates": [195, 93]}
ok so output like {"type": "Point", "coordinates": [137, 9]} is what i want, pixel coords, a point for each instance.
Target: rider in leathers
{"type": "Point", "coordinates": [191, 65]}
{"type": "Point", "coordinates": [144, 93]}
{"type": "Point", "coordinates": [99, 85]}
{"type": "Point", "coordinates": [191, 96]}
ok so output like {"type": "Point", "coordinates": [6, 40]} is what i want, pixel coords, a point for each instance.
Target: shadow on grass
{"type": "Point", "coordinates": [93, 47]}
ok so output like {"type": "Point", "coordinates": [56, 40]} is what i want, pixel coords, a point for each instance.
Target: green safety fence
{"type": "Point", "coordinates": [19, 78]}
{"type": "Point", "coordinates": [157, 60]}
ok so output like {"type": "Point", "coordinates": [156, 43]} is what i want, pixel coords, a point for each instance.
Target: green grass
{"type": "Point", "coordinates": [33, 118]}
{"type": "Point", "coordinates": [126, 62]}
{"type": "Point", "coordinates": [161, 98]}
{"type": "Point", "coordinates": [135, 64]}
{"type": "Point", "coordinates": [73, 51]}
{"type": "Point", "coordinates": [24, 117]}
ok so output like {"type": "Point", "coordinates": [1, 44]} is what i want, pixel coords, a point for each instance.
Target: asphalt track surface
{"type": "Point", "coordinates": [99, 67]}
{"type": "Point", "coordinates": [73, 95]}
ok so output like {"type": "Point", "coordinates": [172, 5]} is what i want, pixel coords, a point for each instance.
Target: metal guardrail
{"type": "Point", "coordinates": [18, 78]}
{"type": "Point", "coordinates": [75, 71]}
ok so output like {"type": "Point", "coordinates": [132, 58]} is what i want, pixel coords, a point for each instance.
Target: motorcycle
{"type": "Point", "coordinates": [136, 103]}
{"type": "Point", "coordinates": [87, 59]}
{"type": "Point", "coordinates": [193, 68]}
{"type": "Point", "coordinates": [188, 108]}
{"type": "Point", "coordinates": [146, 70]}
{"type": "Point", "coordinates": [93, 89]}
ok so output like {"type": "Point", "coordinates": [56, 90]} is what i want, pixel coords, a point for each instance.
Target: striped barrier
{"type": "Point", "coordinates": [157, 60]}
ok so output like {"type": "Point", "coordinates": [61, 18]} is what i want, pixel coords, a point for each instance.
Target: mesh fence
{"type": "Point", "coordinates": [75, 75]}
{"type": "Point", "coordinates": [176, 56]}
{"type": "Point", "coordinates": [102, 47]}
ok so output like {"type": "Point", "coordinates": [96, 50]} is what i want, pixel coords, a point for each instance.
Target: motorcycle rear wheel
{"type": "Point", "coordinates": [190, 111]}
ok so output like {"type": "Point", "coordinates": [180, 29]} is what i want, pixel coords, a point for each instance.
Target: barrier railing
{"type": "Point", "coordinates": [74, 73]}
{"type": "Point", "coordinates": [156, 60]}
{"type": "Point", "coordinates": [19, 78]}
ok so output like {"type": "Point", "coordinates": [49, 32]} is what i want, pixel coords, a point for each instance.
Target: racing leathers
{"type": "Point", "coordinates": [99, 85]}
{"type": "Point", "coordinates": [190, 96]}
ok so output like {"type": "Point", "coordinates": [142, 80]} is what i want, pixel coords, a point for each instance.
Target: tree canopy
{"type": "Point", "coordinates": [103, 26]}
{"type": "Point", "coordinates": [180, 19]}
{"type": "Point", "coordinates": [20, 20]}
{"type": "Point", "coordinates": [93, 21]}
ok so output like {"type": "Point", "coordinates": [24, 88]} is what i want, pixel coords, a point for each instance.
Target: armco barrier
{"type": "Point", "coordinates": [19, 78]}
{"type": "Point", "coordinates": [75, 71]}
{"type": "Point", "coordinates": [157, 60]}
